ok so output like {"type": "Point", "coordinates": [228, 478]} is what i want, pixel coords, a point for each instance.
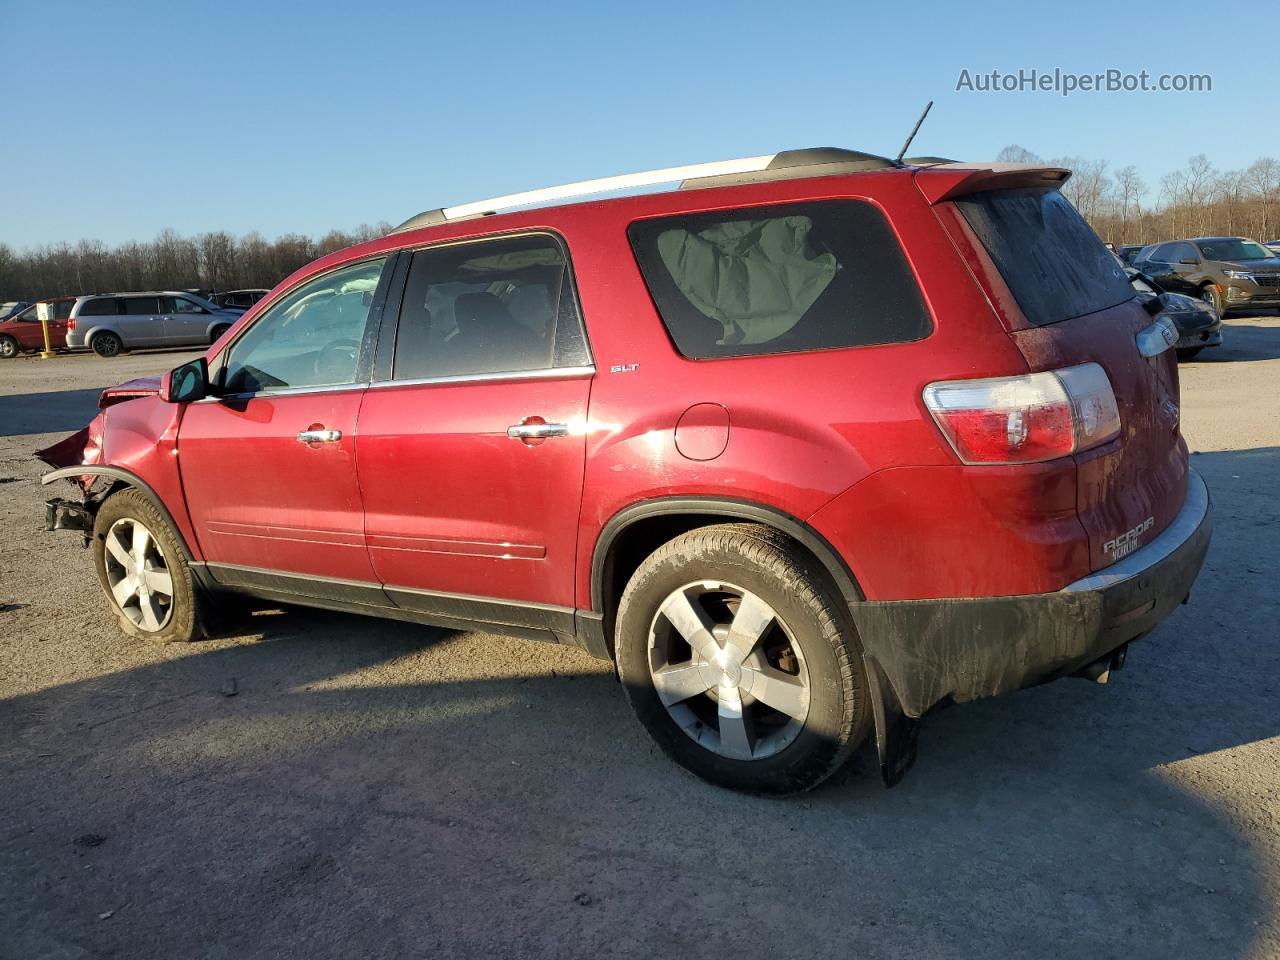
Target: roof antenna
{"type": "Point", "coordinates": [914, 130]}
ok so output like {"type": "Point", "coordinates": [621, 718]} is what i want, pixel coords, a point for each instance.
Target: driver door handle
{"type": "Point", "coordinates": [537, 431]}
{"type": "Point", "coordinates": [319, 436]}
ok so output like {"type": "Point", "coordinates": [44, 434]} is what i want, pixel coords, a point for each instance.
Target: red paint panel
{"type": "Point", "coordinates": [259, 498]}
{"type": "Point", "coordinates": [439, 474]}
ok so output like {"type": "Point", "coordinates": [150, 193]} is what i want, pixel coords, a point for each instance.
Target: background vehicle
{"type": "Point", "coordinates": [242, 299]}
{"type": "Point", "coordinates": [23, 330]}
{"type": "Point", "coordinates": [1126, 252]}
{"type": "Point", "coordinates": [1228, 272]}
{"type": "Point", "coordinates": [109, 323]}
{"type": "Point", "coordinates": [797, 485]}
{"type": "Point", "coordinates": [1199, 325]}
{"type": "Point", "coordinates": [10, 307]}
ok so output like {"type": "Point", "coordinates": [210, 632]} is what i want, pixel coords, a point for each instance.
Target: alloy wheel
{"type": "Point", "coordinates": [728, 670]}
{"type": "Point", "coordinates": [138, 574]}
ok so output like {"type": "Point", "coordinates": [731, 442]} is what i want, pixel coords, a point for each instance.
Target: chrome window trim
{"type": "Point", "coordinates": [544, 373]}
{"type": "Point", "coordinates": [284, 392]}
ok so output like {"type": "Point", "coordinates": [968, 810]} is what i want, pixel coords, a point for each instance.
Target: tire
{"type": "Point", "coordinates": [117, 550]}
{"type": "Point", "coordinates": [8, 347]}
{"type": "Point", "coordinates": [1209, 294]}
{"type": "Point", "coordinates": [217, 332]}
{"type": "Point", "coordinates": [807, 655]}
{"type": "Point", "coordinates": [106, 344]}
{"type": "Point", "coordinates": [1189, 353]}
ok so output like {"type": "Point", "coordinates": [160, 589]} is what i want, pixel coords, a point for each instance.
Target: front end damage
{"type": "Point", "coordinates": [82, 448]}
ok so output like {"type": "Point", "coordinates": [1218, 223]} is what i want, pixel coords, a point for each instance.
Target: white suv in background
{"type": "Point", "coordinates": [110, 322]}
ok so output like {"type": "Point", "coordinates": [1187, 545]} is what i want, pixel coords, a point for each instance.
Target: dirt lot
{"type": "Point", "coordinates": [375, 789]}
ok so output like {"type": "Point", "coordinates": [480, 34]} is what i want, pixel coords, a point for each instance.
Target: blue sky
{"type": "Point", "coordinates": [120, 119]}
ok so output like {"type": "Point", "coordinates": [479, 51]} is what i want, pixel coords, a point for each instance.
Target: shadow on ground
{"type": "Point", "coordinates": [62, 411]}
{"type": "Point", "coordinates": [373, 789]}
{"type": "Point", "coordinates": [1244, 339]}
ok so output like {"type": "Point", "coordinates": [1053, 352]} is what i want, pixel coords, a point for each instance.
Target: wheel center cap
{"type": "Point", "coordinates": [732, 674]}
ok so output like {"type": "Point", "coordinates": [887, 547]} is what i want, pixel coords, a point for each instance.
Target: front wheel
{"type": "Point", "coordinates": [1209, 294]}
{"type": "Point", "coordinates": [737, 658]}
{"type": "Point", "coordinates": [107, 344]}
{"type": "Point", "coordinates": [8, 347]}
{"type": "Point", "coordinates": [216, 333]}
{"type": "Point", "coordinates": [143, 570]}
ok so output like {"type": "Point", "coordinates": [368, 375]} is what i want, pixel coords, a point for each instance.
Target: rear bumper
{"type": "Point", "coordinates": [931, 651]}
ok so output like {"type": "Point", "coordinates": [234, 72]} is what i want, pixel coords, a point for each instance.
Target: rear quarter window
{"type": "Point", "coordinates": [779, 279]}
{"type": "Point", "coordinates": [1054, 264]}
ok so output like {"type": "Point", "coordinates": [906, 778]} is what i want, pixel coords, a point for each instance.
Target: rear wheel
{"type": "Point", "coordinates": [8, 346]}
{"type": "Point", "coordinates": [143, 570]}
{"type": "Point", "coordinates": [736, 656]}
{"type": "Point", "coordinates": [106, 344]}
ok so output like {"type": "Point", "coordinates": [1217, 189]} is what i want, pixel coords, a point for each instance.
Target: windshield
{"type": "Point", "coordinates": [1233, 248]}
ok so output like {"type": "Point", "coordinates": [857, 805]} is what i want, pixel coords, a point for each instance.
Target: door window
{"type": "Point", "coordinates": [183, 305]}
{"type": "Point", "coordinates": [309, 338]}
{"type": "Point", "coordinates": [101, 307]}
{"type": "Point", "coordinates": [495, 306]}
{"type": "Point", "coordinates": [141, 306]}
{"type": "Point", "coordinates": [1181, 251]}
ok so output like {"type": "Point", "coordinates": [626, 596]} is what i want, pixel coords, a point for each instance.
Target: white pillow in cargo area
{"type": "Point", "coordinates": [757, 277]}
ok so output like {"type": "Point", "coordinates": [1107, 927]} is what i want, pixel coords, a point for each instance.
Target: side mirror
{"type": "Point", "coordinates": [186, 383]}
{"type": "Point", "coordinates": [1189, 261]}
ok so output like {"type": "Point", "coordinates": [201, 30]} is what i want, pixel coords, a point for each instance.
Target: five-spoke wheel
{"type": "Point", "coordinates": [143, 569]}
{"type": "Point", "coordinates": [740, 659]}
{"type": "Point", "coordinates": [727, 670]}
{"type": "Point", "coordinates": [141, 585]}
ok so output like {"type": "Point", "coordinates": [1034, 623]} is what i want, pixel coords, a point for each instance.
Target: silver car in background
{"type": "Point", "coordinates": [107, 323]}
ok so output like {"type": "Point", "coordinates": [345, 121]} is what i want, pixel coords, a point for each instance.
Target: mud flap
{"type": "Point", "coordinates": [896, 733]}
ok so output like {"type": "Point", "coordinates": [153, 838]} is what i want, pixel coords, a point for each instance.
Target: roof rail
{"type": "Point", "coordinates": [789, 164]}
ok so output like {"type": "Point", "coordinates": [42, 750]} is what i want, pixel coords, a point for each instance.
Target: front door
{"type": "Point", "coordinates": [269, 465]}
{"type": "Point", "coordinates": [185, 321]}
{"type": "Point", "coordinates": [471, 455]}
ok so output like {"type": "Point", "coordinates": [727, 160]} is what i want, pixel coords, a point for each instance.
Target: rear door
{"type": "Point", "coordinates": [269, 465]}
{"type": "Point", "coordinates": [472, 446]}
{"type": "Point", "coordinates": [1078, 307]}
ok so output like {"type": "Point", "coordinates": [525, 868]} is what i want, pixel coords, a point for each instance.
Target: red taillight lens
{"type": "Point", "coordinates": [1026, 419]}
{"type": "Point", "coordinates": [71, 323]}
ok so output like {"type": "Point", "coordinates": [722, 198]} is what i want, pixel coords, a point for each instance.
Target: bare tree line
{"type": "Point", "coordinates": [207, 261]}
{"type": "Point", "coordinates": [1195, 201]}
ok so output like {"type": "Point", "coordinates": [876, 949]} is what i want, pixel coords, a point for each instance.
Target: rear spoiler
{"type": "Point", "coordinates": [951, 180]}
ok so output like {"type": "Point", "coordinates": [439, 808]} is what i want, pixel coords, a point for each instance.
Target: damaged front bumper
{"type": "Point", "coordinates": [953, 650]}
{"type": "Point", "coordinates": [60, 514]}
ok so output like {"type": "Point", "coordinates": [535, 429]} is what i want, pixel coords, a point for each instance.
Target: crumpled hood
{"type": "Point", "coordinates": [141, 387]}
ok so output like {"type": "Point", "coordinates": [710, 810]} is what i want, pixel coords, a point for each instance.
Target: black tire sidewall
{"type": "Point", "coordinates": [183, 625]}
{"type": "Point", "coordinates": [12, 345]}
{"type": "Point", "coordinates": [819, 748]}
{"type": "Point", "coordinates": [101, 338]}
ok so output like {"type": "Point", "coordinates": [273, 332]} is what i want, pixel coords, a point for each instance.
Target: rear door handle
{"type": "Point", "coordinates": [319, 436]}
{"type": "Point", "coordinates": [537, 430]}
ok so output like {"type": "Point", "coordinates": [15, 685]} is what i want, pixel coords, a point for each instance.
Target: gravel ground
{"type": "Point", "coordinates": [374, 789]}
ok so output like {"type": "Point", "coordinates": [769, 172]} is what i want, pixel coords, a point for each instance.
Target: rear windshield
{"type": "Point", "coordinates": [779, 279]}
{"type": "Point", "coordinates": [1053, 262]}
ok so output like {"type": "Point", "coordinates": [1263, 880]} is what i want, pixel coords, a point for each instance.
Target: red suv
{"type": "Point", "coordinates": [809, 447]}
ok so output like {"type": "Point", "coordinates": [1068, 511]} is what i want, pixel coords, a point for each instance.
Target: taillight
{"type": "Point", "coordinates": [1026, 419]}
{"type": "Point", "coordinates": [71, 323]}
